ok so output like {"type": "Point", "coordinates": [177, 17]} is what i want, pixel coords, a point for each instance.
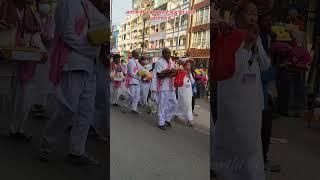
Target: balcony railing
{"type": "Point", "coordinates": [197, 23]}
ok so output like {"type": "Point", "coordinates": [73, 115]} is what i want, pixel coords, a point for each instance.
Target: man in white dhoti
{"type": "Point", "coordinates": [237, 147]}
{"type": "Point", "coordinates": [75, 81]}
{"type": "Point", "coordinates": [133, 81]}
{"type": "Point", "coordinates": [166, 94]}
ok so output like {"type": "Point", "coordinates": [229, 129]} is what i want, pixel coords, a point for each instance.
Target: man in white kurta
{"type": "Point", "coordinates": [134, 81]}
{"type": "Point", "coordinates": [76, 91]}
{"type": "Point", "coordinates": [166, 94]}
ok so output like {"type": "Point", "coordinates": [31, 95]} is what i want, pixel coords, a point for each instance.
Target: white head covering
{"type": "Point", "coordinates": [184, 60]}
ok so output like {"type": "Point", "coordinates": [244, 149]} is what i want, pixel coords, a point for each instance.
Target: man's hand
{"type": "Point", "coordinates": [174, 72]}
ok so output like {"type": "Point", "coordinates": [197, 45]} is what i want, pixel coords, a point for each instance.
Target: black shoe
{"type": "Point", "coordinates": [92, 132]}
{"type": "Point", "coordinates": [190, 124]}
{"type": "Point", "coordinates": [83, 160]}
{"type": "Point", "coordinates": [41, 115]}
{"type": "Point", "coordinates": [168, 123]}
{"type": "Point", "coordinates": [20, 136]}
{"type": "Point", "coordinates": [101, 139]}
{"type": "Point", "coordinates": [13, 135]}
{"type": "Point", "coordinates": [213, 174]}
{"type": "Point", "coordinates": [114, 104]}
{"type": "Point", "coordinates": [162, 127]}
{"type": "Point", "coordinates": [68, 130]}
{"type": "Point", "coordinates": [44, 156]}
{"type": "Point", "coordinates": [136, 112]}
{"type": "Point", "coordinates": [272, 167]}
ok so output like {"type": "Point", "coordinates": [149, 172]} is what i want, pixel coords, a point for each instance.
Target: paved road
{"type": "Point", "coordinates": [141, 151]}
{"type": "Point", "coordinates": [19, 160]}
{"type": "Point", "coordinates": [300, 158]}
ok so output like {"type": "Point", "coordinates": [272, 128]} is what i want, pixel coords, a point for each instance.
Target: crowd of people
{"type": "Point", "coordinates": [69, 90]}
{"type": "Point", "coordinates": [168, 83]}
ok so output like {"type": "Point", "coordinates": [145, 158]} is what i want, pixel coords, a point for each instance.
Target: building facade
{"type": "Point", "coordinates": [181, 32]}
{"type": "Point", "coordinates": [115, 39]}
{"type": "Point", "coordinates": [199, 32]}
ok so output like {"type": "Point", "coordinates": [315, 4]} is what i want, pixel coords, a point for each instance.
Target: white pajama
{"type": "Point", "coordinates": [100, 123]}
{"type": "Point", "coordinates": [23, 101]}
{"type": "Point", "coordinates": [75, 105]}
{"type": "Point", "coordinates": [166, 104]}
{"type": "Point", "coordinates": [134, 95]}
{"type": "Point", "coordinates": [115, 94]}
{"type": "Point", "coordinates": [43, 86]}
{"type": "Point", "coordinates": [145, 88]}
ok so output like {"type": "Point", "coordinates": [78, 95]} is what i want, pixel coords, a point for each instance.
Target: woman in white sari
{"type": "Point", "coordinates": [183, 109]}
{"type": "Point", "coordinates": [237, 148]}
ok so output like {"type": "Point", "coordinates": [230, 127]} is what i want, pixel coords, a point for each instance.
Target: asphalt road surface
{"type": "Point", "coordinates": [141, 151]}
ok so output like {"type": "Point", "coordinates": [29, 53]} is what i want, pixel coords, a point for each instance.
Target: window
{"type": "Point", "coordinates": [204, 35]}
{"type": "Point", "coordinates": [208, 38]}
{"type": "Point", "coordinates": [184, 20]}
{"type": "Point", "coordinates": [199, 38]}
{"type": "Point", "coordinates": [201, 16]}
{"type": "Point", "coordinates": [206, 16]}
{"type": "Point", "coordinates": [195, 22]}
{"type": "Point", "coordinates": [194, 39]}
{"type": "Point", "coordinates": [176, 39]}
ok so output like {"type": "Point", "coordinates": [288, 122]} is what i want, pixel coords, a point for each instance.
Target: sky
{"type": "Point", "coordinates": [119, 8]}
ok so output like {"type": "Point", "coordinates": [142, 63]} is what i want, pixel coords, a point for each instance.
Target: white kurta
{"type": "Point", "coordinates": [134, 83]}
{"type": "Point", "coordinates": [184, 107]}
{"type": "Point", "coordinates": [237, 149]}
